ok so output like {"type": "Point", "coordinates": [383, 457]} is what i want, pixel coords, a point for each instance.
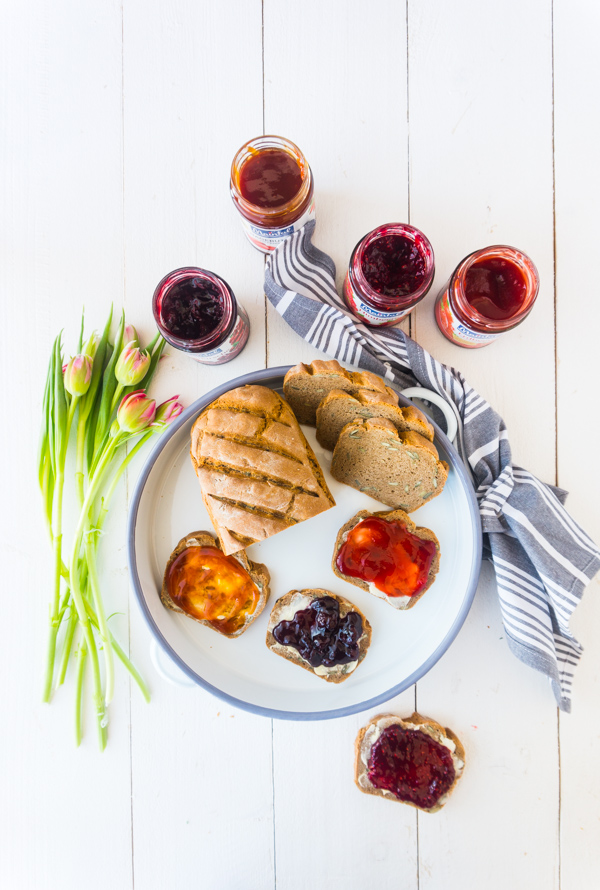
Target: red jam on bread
{"type": "Point", "coordinates": [212, 587]}
{"type": "Point", "coordinates": [412, 766]}
{"type": "Point", "coordinates": [386, 554]}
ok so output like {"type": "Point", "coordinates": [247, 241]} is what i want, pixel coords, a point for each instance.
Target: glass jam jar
{"type": "Point", "coordinates": [272, 188]}
{"type": "Point", "coordinates": [390, 271]}
{"type": "Point", "coordinates": [196, 312]}
{"type": "Point", "coordinates": [491, 291]}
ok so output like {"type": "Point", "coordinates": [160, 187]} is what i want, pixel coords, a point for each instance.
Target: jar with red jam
{"type": "Point", "coordinates": [272, 189]}
{"type": "Point", "coordinates": [197, 312]}
{"type": "Point", "coordinates": [491, 291]}
{"type": "Point", "coordinates": [390, 271]}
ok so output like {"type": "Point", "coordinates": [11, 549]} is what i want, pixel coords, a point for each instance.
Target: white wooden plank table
{"type": "Point", "coordinates": [479, 124]}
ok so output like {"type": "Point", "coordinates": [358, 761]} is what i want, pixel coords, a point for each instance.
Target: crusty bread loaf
{"type": "Point", "coordinates": [399, 469]}
{"type": "Point", "coordinates": [304, 386]}
{"type": "Point", "coordinates": [368, 735]}
{"type": "Point", "coordinates": [296, 600]}
{"type": "Point", "coordinates": [257, 472]}
{"type": "Point", "coordinates": [398, 602]}
{"type": "Point", "coordinates": [339, 408]}
{"type": "Point", "coordinates": [257, 571]}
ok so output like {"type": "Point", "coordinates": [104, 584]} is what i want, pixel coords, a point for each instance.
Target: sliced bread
{"type": "Point", "coordinates": [327, 635]}
{"type": "Point", "coordinates": [305, 386]}
{"type": "Point", "coordinates": [226, 593]}
{"type": "Point", "coordinates": [399, 469]}
{"type": "Point", "coordinates": [257, 472]}
{"type": "Point", "coordinates": [426, 784]}
{"type": "Point", "coordinates": [409, 568]}
{"type": "Point", "coordinates": [339, 408]}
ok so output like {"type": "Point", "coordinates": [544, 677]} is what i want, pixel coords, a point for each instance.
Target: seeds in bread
{"type": "Point", "coordinates": [257, 572]}
{"type": "Point", "coordinates": [339, 408]}
{"type": "Point", "coordinates": [442, 735]}
{"type": "Point", "coordinates": [286, 608]}
{"type": "Point", "coordinates": [397, 602]}
{"type": "Point", "coordinates": [257, 472]}
{"type": "Point", "coordinates": [305, 386]}
{"type": "Point", "coordinates": [399, 469]}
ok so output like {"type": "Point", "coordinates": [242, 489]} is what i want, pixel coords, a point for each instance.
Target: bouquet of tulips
{"type": "Point", "coordinates": [97, 402]}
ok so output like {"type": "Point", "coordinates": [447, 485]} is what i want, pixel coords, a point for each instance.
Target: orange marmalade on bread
{"type": "Point", "coordinates": [384, 553]}
{"type": "Point", "coordinates": [212, 587]}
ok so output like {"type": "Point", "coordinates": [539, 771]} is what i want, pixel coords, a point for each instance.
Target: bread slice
{"type": "Point", "coordinates": [257, 472]}
{"type": "Point", "coordinates": [256, 570]}
{"type": "Point", "coordinates": [296, 600]}
{"type": "Point", "coordinates": [339, 408]}
{"type": "Point", "coordinates": [305, 386]}
{"type": "Point", "coordinates": [398, 602]}
{"type": "Point", "coordinates": [368, 736]}
{"type": "Point", "coordinates": [399, 469]}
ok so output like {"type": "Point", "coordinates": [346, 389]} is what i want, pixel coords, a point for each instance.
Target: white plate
{"type": "Point", "coordinates": [167, 505]}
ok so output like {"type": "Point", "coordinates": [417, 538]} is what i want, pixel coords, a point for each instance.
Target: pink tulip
{"type": "Point", "coordinates": [132, 365]}
{"type": "Point", "coordinates": [136, 412]}
{"type": "Point", "coordinates": [167, 412]}
{"type": "Point", "coordinates": [130, 335]}
{"type": "Point", "coordinates": [78, 374]}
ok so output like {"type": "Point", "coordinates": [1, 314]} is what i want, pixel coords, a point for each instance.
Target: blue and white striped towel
{"type": "Point", "coordinates": [542, 558]}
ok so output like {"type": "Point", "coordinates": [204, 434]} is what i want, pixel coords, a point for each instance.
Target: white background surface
{"type": "Point", "coordinates": [477, 122]}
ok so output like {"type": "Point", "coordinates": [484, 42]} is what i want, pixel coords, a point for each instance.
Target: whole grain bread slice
{"type": "Point", "coordinates": [368, 735]}
{"type": "Point", "coordinates": [398, 602]}
{"type": "Point", "coordinates": [339, 408]}
{"type": "Point", "coordinates": [296, 600]}
{"type": "Point", "coordinates": [257, 472]}
{"type": "Point", "coordinates": [305, 386]}
{"type": "Point", "coordinates": [257, 571]}
{"type": "Point", "coordinates": [399, 469]}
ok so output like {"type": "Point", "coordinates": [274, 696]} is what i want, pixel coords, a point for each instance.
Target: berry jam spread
{"type": "Point", "coordinates": [270, 178]}
{"type": "Point", "coordinates": [412, 765]}
{"type": "Point", "coordinates": [495, 287]}
{"type": "Point", "coordinates": [386, 554]}
{"type": "Point", "coordinates": [191, 309]}
{"type": "Point", "coordinates": [393, 266]}
{"type": "Point", "coordinates": [208, 585]}
{"type": "Point", "coordinates": [320, 635]}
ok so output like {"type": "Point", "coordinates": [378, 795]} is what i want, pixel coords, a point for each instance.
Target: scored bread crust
{"type": "Point", "coordinates": [257, 472]}
{"type": "Point", "coordinates": [257, 571]}
{"type": "Point", "coordinates": [305, 386]}
{"type": "Point", "coordinates": [401, 470]}
{"type": "Point", "coordinates": [339, 408]}
{"type": "Point", "coordinates": [436, 731]}
{"type": "Point", "coordinates": [389, 515]}
{"type": "Point", "coordinates": [337, 673]}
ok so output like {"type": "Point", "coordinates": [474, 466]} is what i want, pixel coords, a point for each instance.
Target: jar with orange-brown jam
{"type": "Point", "coordinates": [272, 189]}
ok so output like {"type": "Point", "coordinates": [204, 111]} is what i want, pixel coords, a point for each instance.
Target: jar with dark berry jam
{"type": "Point", "coordinates": [272, 188]}
{"type": "Point", "coordinates": [491, 291]}
{"type": "Point", "coordinates": [196, 312]}
{"type": "Point", "coordinates": [390, 271]}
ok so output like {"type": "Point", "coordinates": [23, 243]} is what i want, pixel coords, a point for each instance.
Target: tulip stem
{"type": "Point", "coordinates": [90, 555]}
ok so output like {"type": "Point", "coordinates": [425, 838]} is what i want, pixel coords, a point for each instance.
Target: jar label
{"type": "Point", "coordinates": [267, 240]}
{"type": "Point", "coordinates": [231, 346]}
{"type": "Point", "coordinates": [454, 329]}
{"type": "Point", "coordinates": [368, 313]}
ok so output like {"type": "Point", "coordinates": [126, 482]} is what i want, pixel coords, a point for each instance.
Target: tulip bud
{"type": "Point", "coordinates": [167, 412]}
{"type": "Point", "coordinates": [78, 375]}
{"type": "Point", "coordinates": [130, 335]}
{"type": "Point", "coordinates": [92, 345]}
{"type": "Point", "coordinates": [132, 365]}
{"type": "Point", "coordinates": [136, 412]}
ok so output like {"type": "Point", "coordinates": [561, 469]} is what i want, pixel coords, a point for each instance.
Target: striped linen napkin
{"type": "Point", "coordinates": [542, 558]}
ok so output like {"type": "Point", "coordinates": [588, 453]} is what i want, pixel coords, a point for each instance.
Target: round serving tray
{"type": "Point", "coordinates": [167, 505]}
